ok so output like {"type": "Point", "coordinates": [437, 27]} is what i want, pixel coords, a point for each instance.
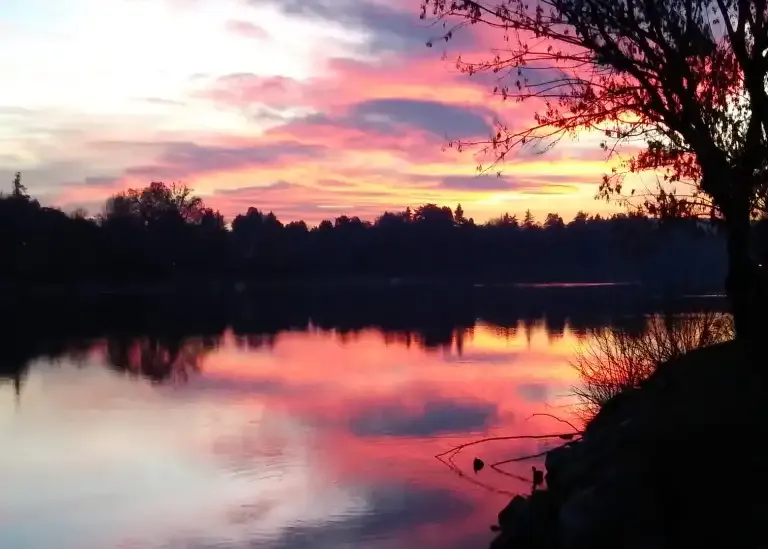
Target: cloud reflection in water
{"type": "Point", "coordinates": [318, 438]}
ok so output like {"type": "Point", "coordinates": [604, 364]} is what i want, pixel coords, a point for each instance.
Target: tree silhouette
{"type": "Point", "coordinates": [505, 220]}
{"type": "Point", "coordinates": [580, 219]}
{"type": "Point", "coordinates": [553, 221]}
{"type": "Point", "coordinates": [458, 215]}
{"type": "Point", "coordinates": [19, 190]}
{"type": "Point", "coordinates": [528, 220]}
{"type": "Point", "coordinates": [686, 77]}
{"type": "Point", "coordinates": [158, 203]}
{"type": "Point", "coordinates": [166, 234]}
{"type": "Point", "coordinates": [434, 216]}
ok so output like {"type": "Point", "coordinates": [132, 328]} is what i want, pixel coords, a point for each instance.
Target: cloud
{"type": "Point", "coordinates": [162, 101]}
{"type": "Point", "coordinates": [255, 191]}
{"type": "Point", "coordinates": [372, 140]}
{"type": "Point", "coordinates": [469, 183]}
{"type": "Point", "coordinates": [349, 81]}
{"type": "Point", "coordinates": [12, 111]}
{"type": "Point", "coordinates": [100, 181]}
{"type": "Point", "coordinates": [245, 89]}
{"type": "Point", "coordinates": [475, 183]}
{"type": "Point", "coordinates": [333, 183]}
{"type": "Point", "coordinates": [384, 124]}
{"type": "Point", "coordinates": [249, 191]}
{"type": "Point", "coordinates": [440, 119]}
{"type": "Point", "coordinates": [549, 189]}
{"type": "Point", "coordinates": [386, 27]}
{"type": "Point", "coordinates": [246, 29]}
{"type": "Point", "coordinates": [438, 416]}
{"type": "Point", "coordinates": [180, 159]}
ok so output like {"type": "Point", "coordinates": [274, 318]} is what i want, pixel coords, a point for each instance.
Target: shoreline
{"type": "Point", "coordinates": [657, 467]}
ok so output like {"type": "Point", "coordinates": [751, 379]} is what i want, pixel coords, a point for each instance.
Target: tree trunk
{"type": "Point", "coordinates": [743, 285]}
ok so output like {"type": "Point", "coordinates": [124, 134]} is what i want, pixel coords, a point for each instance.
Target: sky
{"type": "Point", "coordinates": [308, 108]}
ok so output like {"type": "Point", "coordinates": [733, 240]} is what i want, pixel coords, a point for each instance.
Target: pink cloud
{"type": "Point", "coordinates": [350, 81]}
{"type": "Point", "coordinates": [246, 89]}
{"type": "Point", "coordinates": [246, 29]}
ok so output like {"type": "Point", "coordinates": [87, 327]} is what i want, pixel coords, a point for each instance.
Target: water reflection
{"type": "Point", "coordinates": [282, 428]}
{"type": "Point", "coordinates": [159, 359]}
{"type": "Point", "coordinates": [615, 359]}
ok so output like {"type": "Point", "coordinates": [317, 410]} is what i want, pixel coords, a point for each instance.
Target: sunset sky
{"type": "Point", "coordinates": [309, 108]}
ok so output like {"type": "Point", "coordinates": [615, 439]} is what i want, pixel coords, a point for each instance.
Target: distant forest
{"type": "Point", "coordinates": [165, 232]}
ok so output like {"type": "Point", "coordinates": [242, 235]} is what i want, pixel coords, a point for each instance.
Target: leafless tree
{"type": "Point", "coordinates": [614, 360]}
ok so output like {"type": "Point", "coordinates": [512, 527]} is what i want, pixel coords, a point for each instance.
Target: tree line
{"type": "Point", "coordinates": [164, 231]}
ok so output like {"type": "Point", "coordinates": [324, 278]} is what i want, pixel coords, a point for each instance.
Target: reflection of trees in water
{"type": "Point", "coordinates": [173, 358]}
{"type": "Point", "coordinates": [619, 358]}
{"type": "Point", "coordinates": [13, 373]}
{"type": "Point", "coordinates": [439, 338]}
{"type": "Point", "coordinates": [17, 352]}
{"type": "Point", "coordinates": [555, 328]}
{"type": "Point", "coordinates": [458, 338]}
{"type": "Point", "coordinates": [406, 339]}
{"type": "Point", "coordinates": [503, 332]}
{"type": "Point", "coordinates": [253, 342]}
{"type": "Point", "coordinates": [431, 318]}
{"type": "Point", "coordinates": [159, 359]}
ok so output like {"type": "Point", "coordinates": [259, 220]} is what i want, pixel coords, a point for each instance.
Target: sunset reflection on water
{"type": "Point", "coordinates": [306, 438]}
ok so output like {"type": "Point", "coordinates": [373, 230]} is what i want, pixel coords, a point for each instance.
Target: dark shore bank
{"type": "Point", "coordinates": [677, 462]}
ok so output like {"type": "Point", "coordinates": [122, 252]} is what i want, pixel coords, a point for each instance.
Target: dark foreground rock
{"type": "Point", "coordinates": [678, 462]}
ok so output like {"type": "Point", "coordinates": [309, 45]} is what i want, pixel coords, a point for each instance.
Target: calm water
{"type": "Point", "coordinates": [304, 438]}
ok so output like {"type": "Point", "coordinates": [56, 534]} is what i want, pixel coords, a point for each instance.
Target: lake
{"type": "Point", "coordinates": [286, 426]}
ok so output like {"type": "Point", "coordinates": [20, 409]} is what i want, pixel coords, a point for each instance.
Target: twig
{"type": "Point", "coordinates": [456, 449]}
{"type": "Point", "coordinates": [561, 420]}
